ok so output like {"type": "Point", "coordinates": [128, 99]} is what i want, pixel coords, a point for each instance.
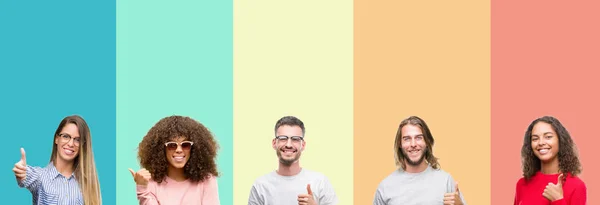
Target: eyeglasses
{"type": "Point", "coordinates": [65, 138]}
{"type": "Point", "coordinates": [295, 139]}
{"type": "Point", "coordinates": [185, 145]}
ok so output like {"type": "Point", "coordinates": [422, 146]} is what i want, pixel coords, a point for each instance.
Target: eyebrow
{"type": "Point", "coordinates": [69, 135]}
{"type": "Point", "coordinates": [419, 135]}
{"type": "Point", "coordinates": [545, 133]}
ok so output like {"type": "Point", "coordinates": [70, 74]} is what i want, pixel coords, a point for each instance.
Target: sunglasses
{"type": "Point", "coordinates": [185, 145]}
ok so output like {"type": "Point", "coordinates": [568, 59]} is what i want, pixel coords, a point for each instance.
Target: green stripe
{"type": "Point", "coordinates": [173, 58]}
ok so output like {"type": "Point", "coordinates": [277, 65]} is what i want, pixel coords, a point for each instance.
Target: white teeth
{"type": "Point", "coordinates": [69, 152]}
{"type": "Point", "coordinates": [179, 159]}
{"type": "Point", "coordinates": [543, 151]}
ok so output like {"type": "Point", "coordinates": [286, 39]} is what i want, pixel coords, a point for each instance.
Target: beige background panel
{"type": "Point", "coordinates": [293, 58]}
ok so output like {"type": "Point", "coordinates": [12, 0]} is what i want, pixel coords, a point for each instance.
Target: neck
{"type": "Point", "coordinates": [63, 167]}
{"type": "Point", "coordinates": [176, 174]}
{"type": "Point", "coordinates": [550, 167]}
{"type": "Point", "coordinates": [415, 169]}
{"type": "Point", "coordinates": [290, 170]}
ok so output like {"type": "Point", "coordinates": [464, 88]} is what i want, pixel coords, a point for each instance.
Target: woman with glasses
{"type": "Point", "coordinates": [550, 166]}
{"type": "Point", "coordinates": [178, 160]}
{"type": "Point", "coordinates": [70, 177]}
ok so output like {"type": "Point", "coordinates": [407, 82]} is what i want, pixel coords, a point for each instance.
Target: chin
{"type": "Point", "coordinates": [178, 166]}
{"type": "Point", "coordinates": [67, 158]}
{"type": "Point", "coordinates": [416, 159]}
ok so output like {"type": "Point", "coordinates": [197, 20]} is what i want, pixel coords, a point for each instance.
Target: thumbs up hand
{"type": "Point", "coordinates": [553, 191]}
{"type": "Point", "coordinates": [141, 177]}
{"type": "Point", "coordinates": [453, 198]}
{"type": "Point", "coordinates": [20, 168]}
{"type": "Point", "coordinates": [306, 199]}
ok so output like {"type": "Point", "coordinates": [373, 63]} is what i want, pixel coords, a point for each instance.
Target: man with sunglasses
{"type": "Point", "coordinates": [290, 183]}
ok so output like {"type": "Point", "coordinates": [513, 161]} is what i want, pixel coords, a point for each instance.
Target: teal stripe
{"type": "Point", "coordinates": [173, 58]}
{"type": "Point", "coordinates": [57, 58]}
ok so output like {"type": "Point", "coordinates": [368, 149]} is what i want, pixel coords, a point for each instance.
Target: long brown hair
{"type": "Point", "coordinates": [399, 155]}
{"type": "Point", "coordinates": [568, 161]}
{"type": "Point", "coordinates": [84, 165]}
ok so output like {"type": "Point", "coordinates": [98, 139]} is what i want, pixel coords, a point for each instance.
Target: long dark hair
{"type": "Point", "coordinates": [568, 161]}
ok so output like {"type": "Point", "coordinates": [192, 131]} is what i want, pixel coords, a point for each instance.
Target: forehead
{"type": "Point", "coordinates": [289, 130]}
{"type": "Point", "coordinates": [70, 129]}
{"type": "Point", "coordinates": [541, 128]}
{"type": "Point", "coordinates": [411, 130]}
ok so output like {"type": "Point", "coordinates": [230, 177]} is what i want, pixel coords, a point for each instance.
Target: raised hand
{"type": "Point", "coordinates": [553, 191]}
{"type": "Point", "coordinates": [141, 177]}
{"type": "Point", "coordinates": [20, 168]}
{"type": "Point", "coordinates": [306, 199]}
{"type": "Point", "coordinates": [453, 198]}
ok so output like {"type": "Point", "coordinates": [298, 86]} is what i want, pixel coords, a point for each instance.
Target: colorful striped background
{"type": "Point", "coordinates": [477, 71]}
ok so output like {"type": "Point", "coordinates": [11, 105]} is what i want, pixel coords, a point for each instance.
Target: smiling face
{"type": "Point", "coordinates": [544, 142]}
{"type": "Point", "coordinates": [178, 152]}
{"type": "Point", "coordinates": [288, 150]}
{"type": "Point", "coordinates": [67, 143]}
{"type": "Point", "coordinates": [413, 145]}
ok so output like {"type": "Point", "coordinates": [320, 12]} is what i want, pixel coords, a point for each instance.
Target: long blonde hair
{"type": "Point", "coordinates": [84, 165]}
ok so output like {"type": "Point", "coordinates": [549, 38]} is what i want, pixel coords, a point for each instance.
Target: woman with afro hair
{"type": "Point", "coordinates": [178, 160]}
{"type": "Point", "coordinates": [550, 166]}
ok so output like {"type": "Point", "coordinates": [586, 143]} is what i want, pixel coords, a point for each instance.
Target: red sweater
{"type": "Point", "coordinates": [530, 192]}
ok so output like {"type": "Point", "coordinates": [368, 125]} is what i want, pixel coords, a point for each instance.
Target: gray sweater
{"type": "Point", "coordinates": [425, 188]}
{"type": "Point", "coordinates": [274, 189]}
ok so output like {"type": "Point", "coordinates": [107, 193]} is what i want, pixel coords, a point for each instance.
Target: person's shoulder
{"type": "Point", "coordinates": [521, 181]}
{"type": "Point", "coordinates": [47, 168]}
{"type": "Point", "coordinates": [314, 174]}
{"type": "Point", "coordinates": [209, 179]}
{"type": "Point", "coordinates": [440, 173]}
{"type": "Point", "coordinates": [575, 181]}
{"type": "Point", "coordinates": [264, 179]}
{"type": "Point", "coordinates": [47, 171]}
{"type": "Point", "coordinates": [392, 178]}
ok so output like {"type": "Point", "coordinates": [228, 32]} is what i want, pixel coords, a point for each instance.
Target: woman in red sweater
{"type": "Point", "coordinates": [550, 166]}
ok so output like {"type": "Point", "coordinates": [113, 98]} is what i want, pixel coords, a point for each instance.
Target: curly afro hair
{"type": "Point", "coordinates": [568, 160]}
{"type": "Point", "coordinates": [201, 163]}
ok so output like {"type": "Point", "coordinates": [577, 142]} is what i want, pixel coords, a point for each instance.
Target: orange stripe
{"type": "Point", "coordinates": [426, 59]}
